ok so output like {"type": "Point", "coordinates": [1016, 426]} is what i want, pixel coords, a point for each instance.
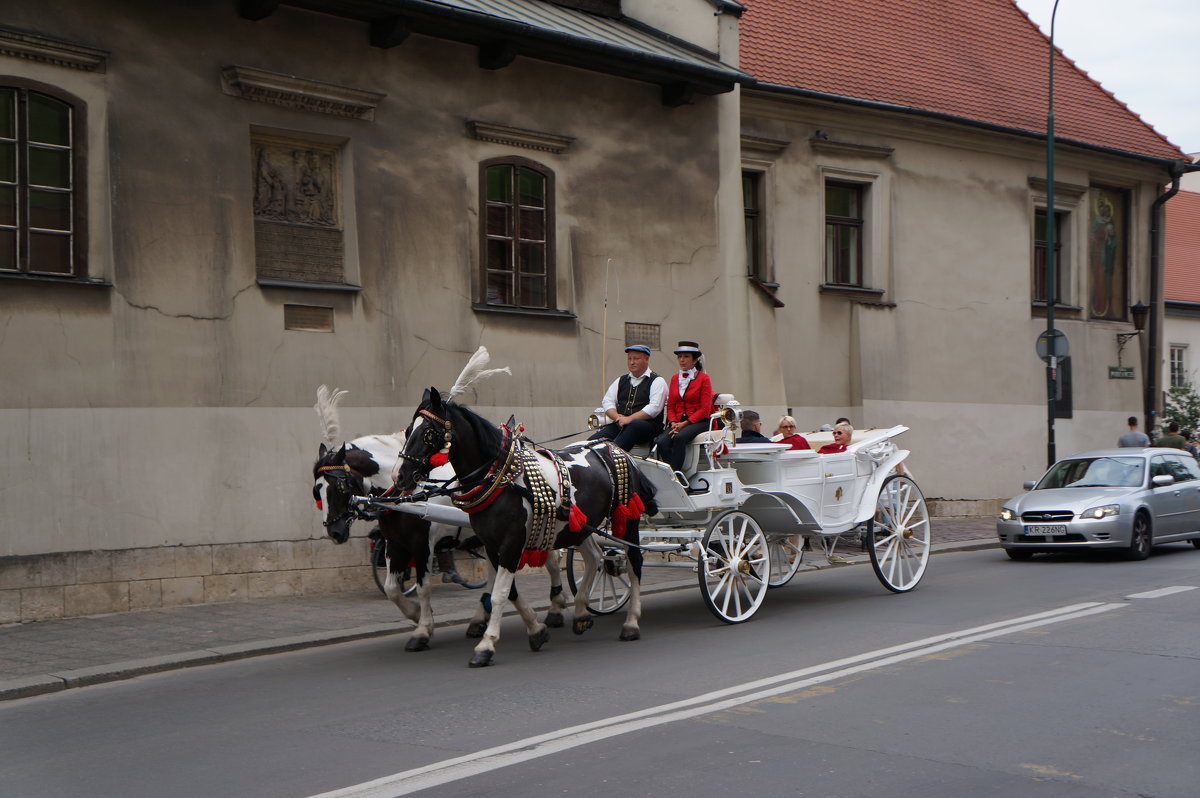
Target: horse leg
{"type": "Point", "coordinates": [558, 602]}
{"type": "Point", "coordinates": [538, 633]}
{"type": "Point", "coordinates": [631, 629]}
{"type": "Point", "coordinates": [581, 619]}
{"type": "Point", "coordinates": [479, 620]}
{"type": "Point", "coordinates": [485, 651]}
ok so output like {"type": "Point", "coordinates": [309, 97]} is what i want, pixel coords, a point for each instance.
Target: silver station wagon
{"type": "Point", "coordinates": [1127, 499]}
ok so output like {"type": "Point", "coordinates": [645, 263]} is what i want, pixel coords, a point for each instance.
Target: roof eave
{"type": "Point", "coordinates": [469, 27]}
{"type": "Point", "coordinates": [924, 112]}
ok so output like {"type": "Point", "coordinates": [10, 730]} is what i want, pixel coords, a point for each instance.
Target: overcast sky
{"type": "Point", "coordinates": [1146, 52]}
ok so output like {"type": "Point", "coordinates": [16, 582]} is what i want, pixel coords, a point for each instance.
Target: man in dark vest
{"type": "Point", "coordinates": [634, 403]}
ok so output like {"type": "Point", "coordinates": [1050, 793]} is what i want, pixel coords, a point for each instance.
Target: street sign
{"type": "Point", "coordinates": [1052, 343]}
{"type": "Point", "coordinates": [1120, 372]}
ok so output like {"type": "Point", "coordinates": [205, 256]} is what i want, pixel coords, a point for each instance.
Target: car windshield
{"type": "Point", "coordinates": [1094, 472]}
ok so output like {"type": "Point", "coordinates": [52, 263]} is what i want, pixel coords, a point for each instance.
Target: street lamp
{"type": "Point", "coordinates": [1052, 369]}
{"type": "Point", "coordinates": [1139, 312]}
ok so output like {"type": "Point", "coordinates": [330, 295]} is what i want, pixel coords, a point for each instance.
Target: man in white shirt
{"type": "Point", "coordinates": [634, 403]}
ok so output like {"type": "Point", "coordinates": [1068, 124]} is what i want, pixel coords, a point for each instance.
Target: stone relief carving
{"type": "Point", "coordinates": [295, 185]}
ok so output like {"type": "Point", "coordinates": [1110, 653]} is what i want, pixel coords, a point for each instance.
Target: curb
{"type": "Point", "coordinates": [27, 686]}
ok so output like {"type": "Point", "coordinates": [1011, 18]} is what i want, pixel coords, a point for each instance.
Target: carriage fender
{"type": "Point", "coordinates": [870, 494]}
{"type": "Point", "coordinates": [778, 512]}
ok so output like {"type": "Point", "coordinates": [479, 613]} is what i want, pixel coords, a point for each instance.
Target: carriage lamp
{"type": "Point", "coordinates": [1139, 313]}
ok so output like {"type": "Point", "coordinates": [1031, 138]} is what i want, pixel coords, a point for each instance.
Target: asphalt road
{"type": "Point", "coordinates": [993, 678]}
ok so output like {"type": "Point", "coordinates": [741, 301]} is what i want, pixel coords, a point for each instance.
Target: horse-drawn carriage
{"type": "Point", "coordinates": [752, 512]}
{"type": "Point", "coordinates": [744, 517]}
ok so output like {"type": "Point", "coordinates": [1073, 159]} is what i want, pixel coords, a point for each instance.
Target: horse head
{"type": "Point", "coordinates": [338, 475]}
{"type": "Point", "coordinates": [428, 441]}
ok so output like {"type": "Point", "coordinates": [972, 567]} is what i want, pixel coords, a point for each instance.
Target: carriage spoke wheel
{"type": "Point", "coordinates": [734, 567]}
{"type": "Point", "coordinates": [898, 535]}
{"type": "Point", "coordinates": [786, 555]}
{"type": "Point", "coordinates": [610, 588]}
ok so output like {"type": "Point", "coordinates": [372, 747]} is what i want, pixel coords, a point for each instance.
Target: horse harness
{"type": "Point", "coordinates": [551, 505]}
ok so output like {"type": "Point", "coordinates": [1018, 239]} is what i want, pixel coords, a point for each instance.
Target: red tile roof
{"type": "Point", "coordinates": [980, 60]}
{"type": "Point", "coordinates": [1181, 247]}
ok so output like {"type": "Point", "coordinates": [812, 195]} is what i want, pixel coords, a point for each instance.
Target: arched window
{"type": "Point", "coordinates": [41, 197]}
{"type": "Point", "coordinates": [517, 234]}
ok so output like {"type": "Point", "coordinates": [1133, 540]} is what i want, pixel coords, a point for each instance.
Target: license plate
{"type": "Point", "coordinates": [1045, 529]}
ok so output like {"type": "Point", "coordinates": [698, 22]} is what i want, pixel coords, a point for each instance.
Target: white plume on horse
{"type": "Point", "coordinates": [474, 371]}
{"type": "Point", "coordinates": [327, 411]}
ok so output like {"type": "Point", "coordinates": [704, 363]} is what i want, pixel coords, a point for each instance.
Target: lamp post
{"type": "Point", "coordinates": [1051, 298]}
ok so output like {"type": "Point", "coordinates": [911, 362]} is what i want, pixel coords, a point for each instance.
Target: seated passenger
{"type": "Point", "coordinates": [633, 403]}
{"type": "Point", "coordinates": [841, 439]}
{"type": "Point", "coordinates": [689, 406]}
{"type": "Point", "coordinates": [787, 434]}
{"type": "Point", "coordinates": [752, 428]}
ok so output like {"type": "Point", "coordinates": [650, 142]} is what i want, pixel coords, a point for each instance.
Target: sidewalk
{"type": "Point", "coordinates": [48, 656]}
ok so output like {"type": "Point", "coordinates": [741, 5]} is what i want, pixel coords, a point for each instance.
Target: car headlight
{"type": "Point", "coordinates": [1107, 511]}
{"type": "Point", "coordinates": [1006, 514]}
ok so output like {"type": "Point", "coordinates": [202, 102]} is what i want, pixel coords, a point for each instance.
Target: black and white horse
{"type": "Point", "coordinates": [499, 481]}
{"type": "Point", "coordinates": [365, 466]}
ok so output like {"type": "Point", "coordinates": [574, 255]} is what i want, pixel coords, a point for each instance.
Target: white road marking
{"type": "Point", "coordinates": [450, 770]}
{"type": "Point", "coordinates": [1162, 591]}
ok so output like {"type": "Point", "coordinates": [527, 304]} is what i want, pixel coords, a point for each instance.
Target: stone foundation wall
{"type": "Point", "coordinates": [964, 508]}
{"type": "Point", "coordinates": [70, 584]}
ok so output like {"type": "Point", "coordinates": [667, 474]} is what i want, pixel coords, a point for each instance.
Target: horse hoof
{"type": "Point", "coordinates": [581, 625]}
{"type": "Point", "coordinates": [538, 640]}
{"type": "Point", "coordinates": [417, 644]}
{"type": "Point", "coordinates": [631, 634]}
{"type": "Point", "coordinates": [476, 630]}
{"type": "Point", "coordinates": [554, 620]}
{"type": "Point", "coordinates": [481, 659]}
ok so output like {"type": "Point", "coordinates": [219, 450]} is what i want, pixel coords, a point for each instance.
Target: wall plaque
{"type": "Point", "coordinates": [297, 210]}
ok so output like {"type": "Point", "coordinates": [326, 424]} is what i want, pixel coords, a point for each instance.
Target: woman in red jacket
{"type": "Point", "coordinates": [689, 406]}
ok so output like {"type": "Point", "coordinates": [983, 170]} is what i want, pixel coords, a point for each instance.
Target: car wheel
{"type": "Point", "coordinates": [1140, 538]}
{"type": "Point", "coordinates": [1196, 542]}
{"type": "Point", "coordinates": [1020, 555]}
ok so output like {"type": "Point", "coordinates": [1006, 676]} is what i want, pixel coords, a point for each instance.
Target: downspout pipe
{"type": "Point", "coordinates": [1153, 381]}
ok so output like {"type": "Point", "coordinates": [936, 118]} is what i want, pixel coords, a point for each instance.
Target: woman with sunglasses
{"type": "Point", "coordinates": [787, 434]}
{"type": "Point", "coordinates": [841, 439]}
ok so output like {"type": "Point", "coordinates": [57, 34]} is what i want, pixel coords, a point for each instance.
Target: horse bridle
{"type": "Point", "coordinates": [429, 436]}
{"type": "Point", "coordinates": [342, 480]}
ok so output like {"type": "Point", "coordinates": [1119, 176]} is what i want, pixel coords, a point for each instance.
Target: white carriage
{"type": "Point", "coordinates": [753, 513]}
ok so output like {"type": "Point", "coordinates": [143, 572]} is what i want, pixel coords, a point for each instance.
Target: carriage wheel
{"type": "Point", "coordinates": [610, 588]}
{"type": "Point", "coordinates": [898, 535]}
{"type": "Point", "coordinates": [735, 565]}
{"type": "Point", "coordinates": [786, 555]}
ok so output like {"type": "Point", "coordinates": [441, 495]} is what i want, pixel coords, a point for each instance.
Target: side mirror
{"type": "Point", "coordinates": [1161, 480]}
{"type": "Point", "coordinates": [1028, 485]}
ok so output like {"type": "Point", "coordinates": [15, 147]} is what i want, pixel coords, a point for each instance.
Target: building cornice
{"type": "Point", "coordinates": [518, 137]}
{"type": "Point", "coordinates": [52, 51]}
{"type": "Point", "coordinates": [301, 94]}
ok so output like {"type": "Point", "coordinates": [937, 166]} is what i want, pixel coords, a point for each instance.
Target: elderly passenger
{"type": "Point", "coordinates": [752, 428]}
{"type": "Point", "coordinates": [786, 433]}
{"type": "Point", "coordinates": [842, 433]}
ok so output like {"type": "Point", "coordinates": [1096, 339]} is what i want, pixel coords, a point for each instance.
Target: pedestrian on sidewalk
{"type": "Point", "coordinates": [1134, 437]}
{"type": "Point", "coordinates": [1173, 440]}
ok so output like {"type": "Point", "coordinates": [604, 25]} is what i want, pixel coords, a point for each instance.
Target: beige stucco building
{"type": "Point", "coordinates": [227, 204]}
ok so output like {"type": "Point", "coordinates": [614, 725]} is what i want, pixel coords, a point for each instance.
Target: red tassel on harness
{"type": "Point", "coordinates": [439, 459]}
{"type": "Point", "coordinates": [632, 509]}
{"type": "Point", "coordinates": [533, 559]}
{"type": "Point", "coordinates": [577, 519]}
{"type": "Point", "coordinates": [319, 507]}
